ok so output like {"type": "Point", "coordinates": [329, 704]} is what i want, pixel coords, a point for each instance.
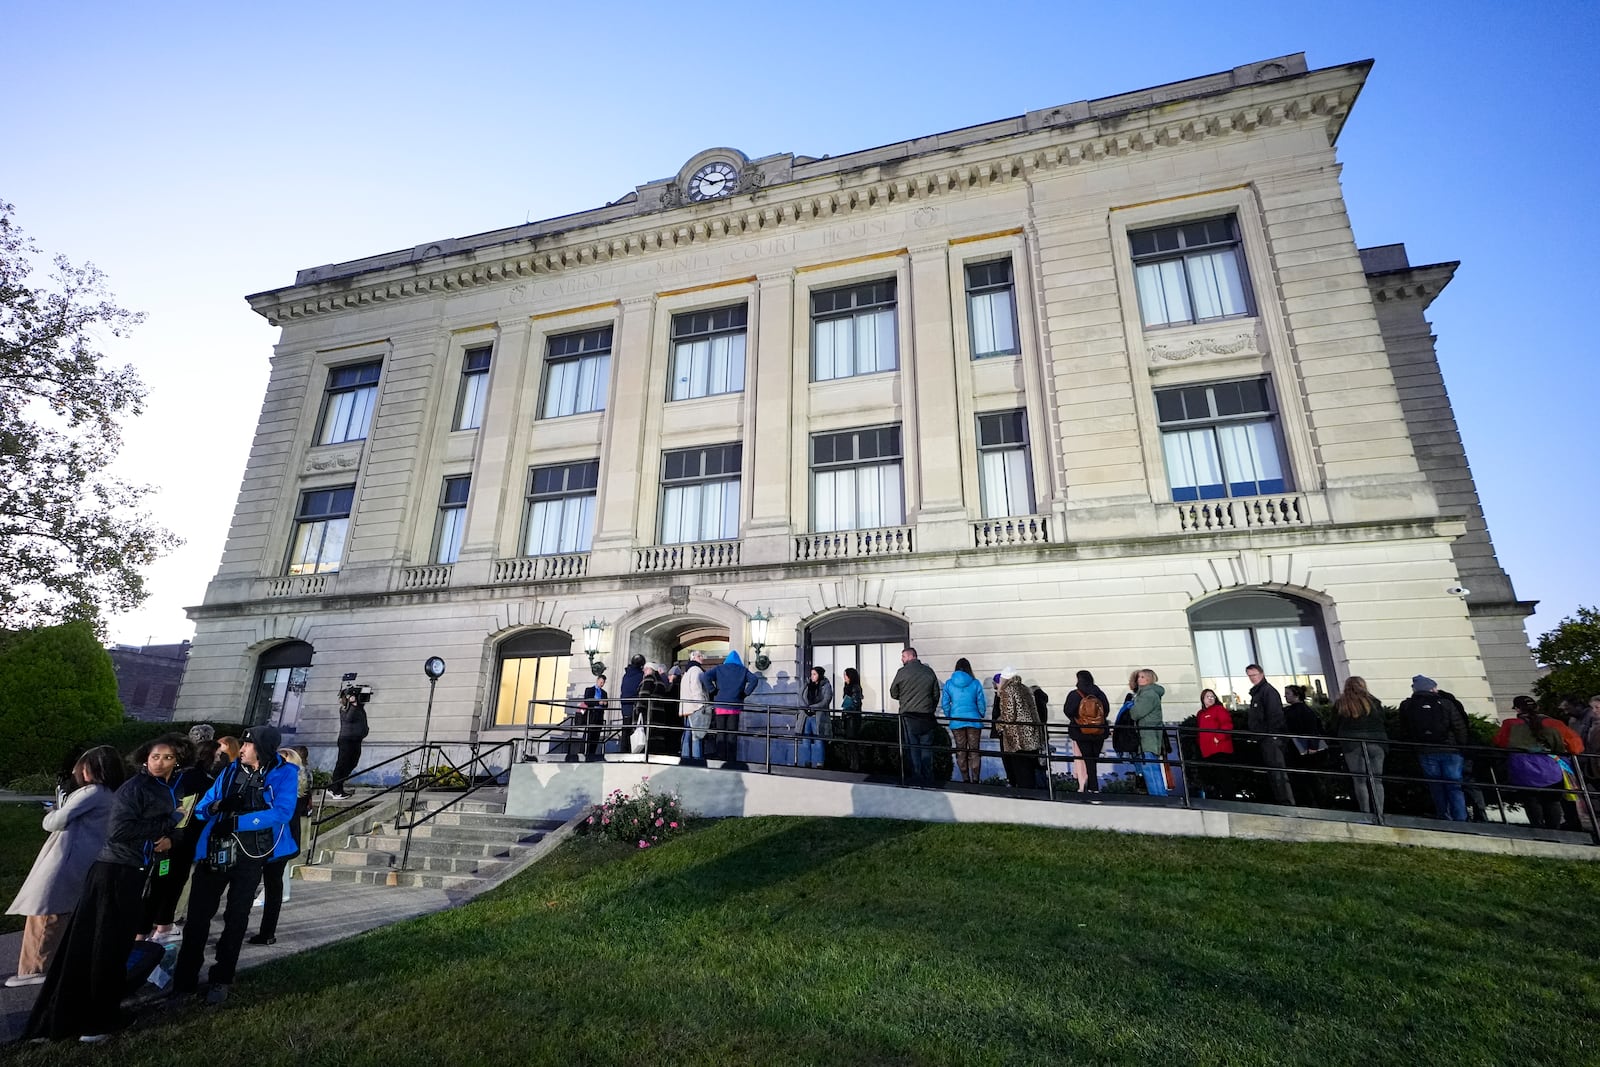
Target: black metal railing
{"type": "Point", "coordinates": [567, 730]}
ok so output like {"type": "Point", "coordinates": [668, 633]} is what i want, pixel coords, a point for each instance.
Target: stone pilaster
{"type": "Point", "coordinates": [622, 458]}
{"type": "Point", "coordinates": [769, 405]}
{"type": "Point", "coordinates": [933, 476]}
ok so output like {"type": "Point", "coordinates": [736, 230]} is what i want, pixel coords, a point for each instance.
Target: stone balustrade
{"type": "Point", "coordinates": [1011, 530]}
{"type": "Point", "coordinates": [298, 585]}
{"type": "Point", "coordinates": [1278, 511]}
{"type": "Point", "coordinates": [854, 544]}
{"type": "Point", "coordinates": [436, 576]}
{"type": "Point", "coordinates": [540, 568]}
{"type": "Point", "coordinates": [693, 556]}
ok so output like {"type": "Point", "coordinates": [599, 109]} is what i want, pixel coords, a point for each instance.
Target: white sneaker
{"type": "Point", "coordinates": [18, 980]}
{"type": "Point", "coordinates": [94, 1039]}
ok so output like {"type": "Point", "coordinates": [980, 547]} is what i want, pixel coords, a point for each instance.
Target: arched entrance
{"type": "Point", "coordinates": [869, 641]}
{"type": "Point", "coordinates": [1283, 633]}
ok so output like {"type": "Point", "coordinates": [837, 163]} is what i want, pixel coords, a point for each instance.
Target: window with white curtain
{"type": "Point", "coordinates": [474, 388]}
{"type": "Point", "coordinates": [576, 373]}
{"type": "Point", "coordinates": [1284, 634]}
{"type": "Point", "coordinates": [1190, 272]}
{"type": "Point", "coordinates": [561, 508]}
{"type": "Point", "coordinates": [700, 494]}
{"type": "Point", "coordinates": [855, 480]}
{"type": "Point", "coordinates": [320, 526]}
{"type": "Point", "coordinates": [991, 309]}
{"type": "Point", "coordinates": [1005, 477]}
{"type": "Point", "coordinates": [347, 408]}
{"type": "Point", "coordinates": [853, 331]}
{"type": "Point", "coordinates": [1220, 440]}
{"type": "Point", "coordinates": [452, 519]}
{"type": "Point", "coordinates": [708, 352]}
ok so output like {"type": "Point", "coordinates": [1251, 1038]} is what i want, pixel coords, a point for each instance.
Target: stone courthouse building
{"type": "Point", "coordinates": [1106, 385]}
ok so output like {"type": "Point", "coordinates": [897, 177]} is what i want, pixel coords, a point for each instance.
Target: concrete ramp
{"type": "Point", "coordinates": [559, 791]}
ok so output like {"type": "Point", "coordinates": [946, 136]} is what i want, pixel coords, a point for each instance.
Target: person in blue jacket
{"type": "Point", "coordinates": [728, 684]}
{"type": "Point", "coordinates": [963, 703]}
{"type": "Point", "coordinates": [246, 815]}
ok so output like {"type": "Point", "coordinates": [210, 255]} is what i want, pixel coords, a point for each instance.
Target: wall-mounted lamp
{"type": "Point", "coordinates": [758, 639]}
{"type": "Point", "coordinates": [591, 645]}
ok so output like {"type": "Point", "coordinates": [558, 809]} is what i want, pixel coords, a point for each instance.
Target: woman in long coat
{"type": "Point", "coordinates": [1016, 722]}
{"type": "Point", "coordinates": [77, 834]}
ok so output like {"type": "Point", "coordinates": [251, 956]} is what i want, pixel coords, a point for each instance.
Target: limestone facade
{"type": "Point", "coordinates": [1057, 534]}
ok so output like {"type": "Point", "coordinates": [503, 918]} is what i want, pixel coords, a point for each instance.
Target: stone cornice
{"type": "Point", "coordinates": [1411, 283]}
{"type": "Point", "coordinates": [1054, 141]}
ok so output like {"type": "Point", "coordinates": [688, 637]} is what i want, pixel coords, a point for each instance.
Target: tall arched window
{"type": "Point", "coordinates": [282, 672]}
{"type": "Point", "coordinates": [870, 642]}
{"type": "Point", "coordinates": [531, 665]}
{"type": "Point", "coordinates": [1282, 633]}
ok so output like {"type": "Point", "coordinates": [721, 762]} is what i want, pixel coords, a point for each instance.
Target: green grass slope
{"type": "Point", "coordinates": [777, 941]}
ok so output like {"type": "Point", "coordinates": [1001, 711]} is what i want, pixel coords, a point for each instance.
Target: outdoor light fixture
{"type": "Point", "coordinates": [591, 645]}
{"type": "Point", "coordinates": [758, 639]}
{"type": "Point", "coordinates": [433, 667]}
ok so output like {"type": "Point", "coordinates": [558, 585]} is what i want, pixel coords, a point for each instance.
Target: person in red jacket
{"type": "Point", "coordinates": [1215, 738]}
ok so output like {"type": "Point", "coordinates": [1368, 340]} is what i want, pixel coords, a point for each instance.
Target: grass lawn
{"type": "Point", "coordinates": [774, 941]}
{"type": "Point", "coordinates": [20, 838]}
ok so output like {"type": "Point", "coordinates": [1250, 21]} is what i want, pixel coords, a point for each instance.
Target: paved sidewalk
{"type": "Point", "coordinates": [316, 913]}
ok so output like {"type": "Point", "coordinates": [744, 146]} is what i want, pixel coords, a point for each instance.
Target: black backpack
{"type": "Point", "coordinates": [1428, 719]}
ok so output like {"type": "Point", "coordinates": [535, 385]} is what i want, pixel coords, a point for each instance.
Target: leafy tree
{"type": "Point", "coordinates": [57, 690]}
{"type": "Point", "coordinates": [72, 539]}
{"type": "Point", "coordinates": [1572, 652]}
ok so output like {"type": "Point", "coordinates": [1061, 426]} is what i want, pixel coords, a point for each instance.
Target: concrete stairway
{"type": "Point", "coordinates": [471, 846]}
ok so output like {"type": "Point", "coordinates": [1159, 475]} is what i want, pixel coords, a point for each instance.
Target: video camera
{"type": "Point", "coordinates": [348, 689]}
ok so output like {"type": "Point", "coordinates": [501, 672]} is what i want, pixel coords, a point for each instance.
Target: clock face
{"type": "Point", "coordinates": [711, 181]}
{"type": "Point", "coordinates": [434, 667]}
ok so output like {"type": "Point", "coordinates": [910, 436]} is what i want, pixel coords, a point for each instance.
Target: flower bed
{"type": "Point", "coordinates": [643, 820]}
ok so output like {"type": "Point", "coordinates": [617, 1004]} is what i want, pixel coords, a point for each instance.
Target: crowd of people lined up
{"type": "Point", "coordinates": [700, 708]}
{"type": "Point", "coordinates": [196, 817]}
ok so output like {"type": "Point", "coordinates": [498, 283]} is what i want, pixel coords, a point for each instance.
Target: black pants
{"type": "Point", "coordinates": [272, 907]}
{"type": "Point", "coordinates": [349, 757]}
{"type": "Point", "coordinates": [1021, 769]}
{"type": "Point", "coordinates": [1544, 810]}
{"type": "Point", "coordinates": [1089, 749]}
{"type": "Point", "coordinates": [207, 885]}
{"type": "Point", "coordinates": [725, 737]}
{"type": "Point", "coordinates": [87, 978]}
{"type": "Point", "coordinates": [594, 741]}
{"type": "Point", "coordinates": [161, 900]}
{"type": "Point", "coordinates": [1272, 757]}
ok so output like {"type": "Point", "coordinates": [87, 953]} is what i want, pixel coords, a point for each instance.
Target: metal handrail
{"type": "Point", "coordinates": [322, 798]}
{"type": "Point", "coordinates": [572, 732]}
{"type": "Point", "coordinates": [473, 785]}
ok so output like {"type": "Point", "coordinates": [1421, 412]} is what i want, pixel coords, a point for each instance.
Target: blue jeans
{"type": "Point", "coordinates": [1155, 775]}
{"type": "Point", "coordinates": [692, 746]}
{"type": "Point", "coordinates": [919, 747]}
{"type": "Point", "coordinates": [1443, 771]}
{"type": "Point", "coordinates": [809, 753]}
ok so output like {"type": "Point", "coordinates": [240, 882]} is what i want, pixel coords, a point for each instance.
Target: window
{"type": "Point", "coordinates": [852, 330]}
{"type": "Point", "coordinates": [561, 508]}
{"type": "Point", "coordinates": [474, 388]}
{"type": "Point", "coordinates": [855, 479]}
{"type": "Point", "coordinates": [1190, 273]}
{"type": "Point", "coordinates": [577, 367]}
{"type": "Point", "coordinates": [991, 309]}
{"type": "Point", "coordinates": [700, 494]}
{"type": "Point", "coordinates": [347, 409]}
{"type": "Point", "coordinates": [1220, 440]}
{"type": "Point", "coordinates": [281, 676]}
{"type": "Point", "coordinates": [320, 528]}
{"type": "Point", "coordinates": [1003, 470]}
{"type": "Point", "coordinates": [708, 352]}
{"type": "Point", "coordinates": [533, 666]}
{"type": "Point", "coordinates": [1282, 633]}
{"type": "Point", "coordinates": [452, 519]}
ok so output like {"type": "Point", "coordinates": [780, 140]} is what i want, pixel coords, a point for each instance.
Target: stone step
{"type": "Point", "coordinates": [478, 819]}
{"type": "Point", "coordinates": [425, 846]}
{"type": "Point", "coordinates": [482, 866]}
{"type": "Point", "coordinates": [384, 876]}
{"type": "Point", "coordinates": [510, 835]}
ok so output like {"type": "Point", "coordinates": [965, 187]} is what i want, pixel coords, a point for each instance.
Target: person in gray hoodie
{"type": "Point", "coordinates": [1147, 716]}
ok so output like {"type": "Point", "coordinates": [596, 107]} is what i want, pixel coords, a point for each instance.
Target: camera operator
{"type": "Point", "coordinates": [246, 813]}
{"type": "Point", "coordinates": [352, 730]}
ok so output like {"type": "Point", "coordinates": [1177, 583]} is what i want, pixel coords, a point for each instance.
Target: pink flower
{"type": "Point", "coordinates": [658, 822]}
{"type": "Point", "coordinates": [605, 822]}
{"type": "Point", "coordinates": [644, 844]}
{"type": "Point", "coordinates": [591, 820]}
{"type": "Point", "coordinates": [674, 826]}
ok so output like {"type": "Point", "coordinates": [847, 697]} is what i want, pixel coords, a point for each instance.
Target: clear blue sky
{"type": "Point", "coordinates": [200, 153]}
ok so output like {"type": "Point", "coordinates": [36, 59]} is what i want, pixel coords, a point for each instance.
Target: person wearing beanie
{"type": "Point", "coordinates": [628, 692]}
{"type": "Point", "coordinates": [245, 818]}
{"type": "Point", "coordinates": [201, 732]}
{"type": "Point", "coordinates": [1434, 720]}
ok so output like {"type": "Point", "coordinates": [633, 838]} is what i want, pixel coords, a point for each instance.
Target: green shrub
{"type": "Point", "coordinates": [37, 784]}
{"type": "Point", "coordinates": [57, 691]}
